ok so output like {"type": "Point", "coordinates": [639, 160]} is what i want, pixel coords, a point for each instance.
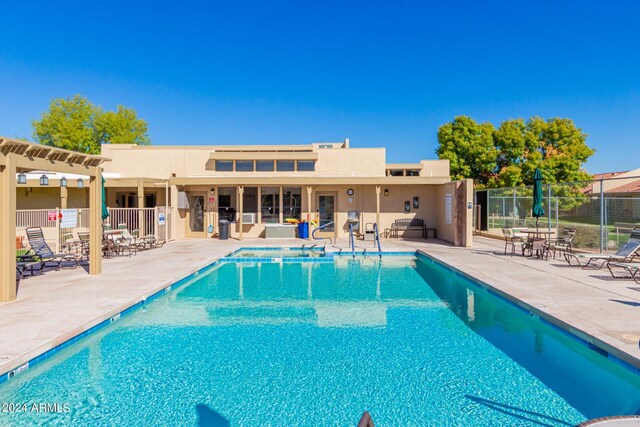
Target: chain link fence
{"type": "Point", "coordinates": [603, 212]}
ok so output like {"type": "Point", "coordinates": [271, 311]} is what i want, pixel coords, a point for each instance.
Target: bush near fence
{"type": "Point", "coordinates": [587, 236]}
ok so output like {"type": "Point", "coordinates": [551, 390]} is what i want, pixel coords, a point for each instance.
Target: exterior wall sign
{"type": "Point", "coordinates": [52, 215]}
{"type": "Point", "coordinates": [448, 200]}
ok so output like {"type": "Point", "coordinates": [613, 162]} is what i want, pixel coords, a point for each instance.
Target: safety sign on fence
{"type": "Point", "coordinates": [69, 218]}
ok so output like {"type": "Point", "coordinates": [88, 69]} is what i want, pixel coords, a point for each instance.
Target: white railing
{"type": "Point", "coordinates": [149, 221]}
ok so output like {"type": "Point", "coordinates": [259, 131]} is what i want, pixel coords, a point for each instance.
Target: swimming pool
{"type": "Point", "coordinates": [319, 343]}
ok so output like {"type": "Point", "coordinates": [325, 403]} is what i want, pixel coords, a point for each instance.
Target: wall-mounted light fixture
{"type": "Point", "coordinates": [386, 192]}
{"type": "Point", "coordinates": [22, 178]}
{"type": "Point", "coordinates": [212, 192]}
{"type": "Point", "coordinates": [80, 183]}
{"type": "Point", "coordinates": [44, 180]}
{"type": "Point", "coordinates": [63, 182]}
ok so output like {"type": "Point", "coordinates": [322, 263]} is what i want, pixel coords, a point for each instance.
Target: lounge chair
{"type": "Point", "coordinates": [632, 269]}
{"type": "Point", "coordinates": [625, 254]}
{"type": "Point", "coordinates": [43, 252]}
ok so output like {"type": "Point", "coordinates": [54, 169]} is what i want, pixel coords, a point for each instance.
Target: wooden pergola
{"type": "Point", "coordinates": [18, 156]}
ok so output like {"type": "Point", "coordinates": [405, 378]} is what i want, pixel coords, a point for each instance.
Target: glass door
{"type": "Point", "coordinates": [196, 215]}
{"type": "Point", "coordinates": [326, 213]}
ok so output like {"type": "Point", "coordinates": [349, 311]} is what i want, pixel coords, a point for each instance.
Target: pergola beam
{"type": "Point", "coordinates": [8, 228]}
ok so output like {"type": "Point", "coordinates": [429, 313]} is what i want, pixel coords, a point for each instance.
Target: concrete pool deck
{"type": "Point", "coordinates": [58, 305]}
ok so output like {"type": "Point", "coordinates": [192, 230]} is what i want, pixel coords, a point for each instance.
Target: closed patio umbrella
{"type": "Point", "coordinates": [105, 211]}
{"type": "Point", "coordinates": [537, 196]}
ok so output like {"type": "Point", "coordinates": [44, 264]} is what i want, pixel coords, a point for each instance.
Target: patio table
{"type": "Point", "coordinates": [537, 242]}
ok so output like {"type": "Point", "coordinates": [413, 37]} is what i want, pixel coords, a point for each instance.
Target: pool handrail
{"type": "Point", "coordinates": [353, 246]}
{"type": "Point", "coordinates": [377, 237]}
{"type": "Point", "coordinates": [313, 233]}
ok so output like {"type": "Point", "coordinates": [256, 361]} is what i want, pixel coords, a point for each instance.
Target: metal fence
{"type": "Point", "coordinates": [148, 221]}
{"type": "Point", "coordinates": [603, 212]}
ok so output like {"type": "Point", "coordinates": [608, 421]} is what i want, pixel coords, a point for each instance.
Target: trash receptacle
{"type": "Point", "coordinates": [303, 230]}
{"type": "Point", "coordinates": [223, 229]}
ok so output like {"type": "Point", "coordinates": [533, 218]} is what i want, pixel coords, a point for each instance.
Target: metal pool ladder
{"type": "Point", "coordinates": [377, 237]}
{"type": "Point", "coordinates": [353, 245]}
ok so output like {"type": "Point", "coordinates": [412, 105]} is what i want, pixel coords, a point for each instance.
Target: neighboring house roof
{"type": "Point", "coordinates": [631, 187]}
{"type": "Point", "coordinates": [597, 176]}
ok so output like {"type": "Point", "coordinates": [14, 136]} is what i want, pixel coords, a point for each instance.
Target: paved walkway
{"type": "Point", "coordinates": [58, 305]}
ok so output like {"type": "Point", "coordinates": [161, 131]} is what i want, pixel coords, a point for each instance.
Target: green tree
{"type": "Point", "coordinates": [68, 124]}
{"type": "Point", "coordinates": [469, 148]}
{"type": "Point", "coordinates": [517, 148]}
{"type": "Point", "coordinates": [76, 124]}
{"type": "Point", "coordinates": [121, 127]}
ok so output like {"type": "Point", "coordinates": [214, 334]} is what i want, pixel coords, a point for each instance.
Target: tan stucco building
{"type": "Point", "coordinates": [257, 187]}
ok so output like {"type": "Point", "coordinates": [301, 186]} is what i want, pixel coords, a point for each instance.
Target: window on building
{"type": "Point", "coordinates": [396, 172]}
{"type": "Point", "coordinates": [244, 165]}
{"type": "Point", "coordinates": [325, 146]}
{"type": "Point", "coordinates": [292, 202]}
{"type": "Point", "coordinates": [270, 204]}
{"type": "Point", "coordinates": [224, 166]}
{"type": "Point", "coordinates": [227, 203]}
{"type": "Point", "coordinates": [250, 201]}
{"type": "Point", "coordinates": [306, 165]}
{"type": "Point", "coordinates": [413, 172]}
{"type": "Point", "coordinates": [264, 165]}
{"type": "Point", "coordinates": [285, 165]}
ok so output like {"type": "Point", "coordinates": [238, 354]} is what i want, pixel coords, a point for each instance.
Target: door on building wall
{"type": "Point", "coordinates": [326, 215]}
{"type": "Point", "coordinates": [196, 219]}
{"type": "Point", "coordinates": [126, 200]}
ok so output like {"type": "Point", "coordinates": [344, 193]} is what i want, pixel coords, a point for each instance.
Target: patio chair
{"type": "Point", "coordinates": [625, 254]}
{"type": "Point", "coordinates": [632, 269]}
{"type": "Point", "coordinates": [109, 248]}
{"type": "Point", "coordinates": [147, 242]}
{"type": "Point", "coordinates": [134, 238]}
{"type": "Point", "coordinates": [563, 243]}
{"type": "Point", "coordinates": [510, 239]}
{"type": "Point", "coordinates": [43, 252]}
{"type": "Point", "coordinates": [123, 244]}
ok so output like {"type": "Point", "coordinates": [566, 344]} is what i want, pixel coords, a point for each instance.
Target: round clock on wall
{"type": "Point", "coordinates": [350, 192]}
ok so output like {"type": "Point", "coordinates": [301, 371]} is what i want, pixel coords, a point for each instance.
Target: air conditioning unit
{"type": "Point", "coordinates": [248, 218]}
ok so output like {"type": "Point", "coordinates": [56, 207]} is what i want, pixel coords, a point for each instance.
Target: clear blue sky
{"type": "Point", "coordinates": [380, 73]}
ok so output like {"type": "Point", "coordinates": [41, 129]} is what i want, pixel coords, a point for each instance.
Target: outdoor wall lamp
{"type": "Point", "coordinates": [44, 180]}
{"type": "Point", "coordinates": [63, 182]}
{"type": "Point", "coordinates": [22, 178]}
{"type": "Point", "coordinates": [80, 183]}
{"type": "Point", "coordinates": [386, 192]}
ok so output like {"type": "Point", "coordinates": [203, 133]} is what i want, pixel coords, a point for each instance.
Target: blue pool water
{"type": "Point", "coordinates": [278, 253]}
{"type": "Point", "coordinates": [317, 344]}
